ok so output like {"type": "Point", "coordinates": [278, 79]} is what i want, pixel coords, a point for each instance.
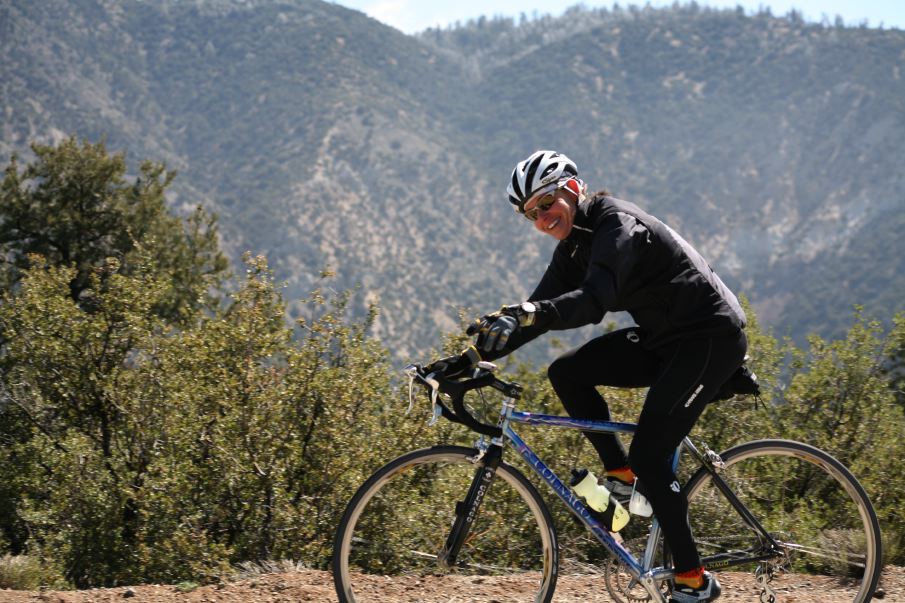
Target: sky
{"type": "Point", "coordinates": [411, 16]}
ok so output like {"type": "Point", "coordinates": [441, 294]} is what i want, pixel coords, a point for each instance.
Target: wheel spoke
{"type": "Point", "coordinates": [812, 507]}
{"type": "Point", "coordinates": [389, 541]}
{"type": "Point", "coordinates": [825, 554]}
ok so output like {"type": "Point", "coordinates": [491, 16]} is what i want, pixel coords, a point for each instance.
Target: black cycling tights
{"type": "Point", "coordinates": [683, 376]}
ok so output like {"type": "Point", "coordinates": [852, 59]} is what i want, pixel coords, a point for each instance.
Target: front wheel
{"type": "Point", "coordinates": [389, 538]}
{"type": "Point", "coordinates": [810, 504]}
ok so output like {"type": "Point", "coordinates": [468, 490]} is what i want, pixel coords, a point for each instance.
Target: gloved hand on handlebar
{"type": "Point", "coordinates": [455, 366]}
{"type": "Point", "coordinates": [494, 330]}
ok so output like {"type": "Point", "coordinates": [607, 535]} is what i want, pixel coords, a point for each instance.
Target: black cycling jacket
{"type": "Point", "coordinates": [618, 257]}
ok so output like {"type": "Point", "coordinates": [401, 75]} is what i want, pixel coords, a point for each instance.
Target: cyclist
{"type": "Point", "coordinates": [689, 338]}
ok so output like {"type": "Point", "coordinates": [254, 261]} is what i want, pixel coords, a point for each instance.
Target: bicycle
{"type": "Point", "coordinates": [788, 514]}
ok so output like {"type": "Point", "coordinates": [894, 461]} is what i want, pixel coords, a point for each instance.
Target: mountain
{"type": "Point", "coordinates": [325, 139]}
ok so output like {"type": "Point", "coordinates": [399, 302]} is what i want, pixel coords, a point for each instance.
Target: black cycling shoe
{"type": "Point", "coordinates": [709, 592]}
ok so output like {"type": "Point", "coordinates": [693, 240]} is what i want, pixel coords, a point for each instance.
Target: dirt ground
{"type": "Point", "coordinates": [311, 585]}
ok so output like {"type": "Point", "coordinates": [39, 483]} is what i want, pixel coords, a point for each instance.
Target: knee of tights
{"type": "Point", "coordinates": [557, 370]}
{"type": "Point", "coordinates": [644, 459]}
{"type": "Point", "coordinates": [562, 372]}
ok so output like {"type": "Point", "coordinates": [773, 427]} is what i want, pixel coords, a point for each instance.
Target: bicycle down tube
{"type": "Point", "coordinates": [636, 568]}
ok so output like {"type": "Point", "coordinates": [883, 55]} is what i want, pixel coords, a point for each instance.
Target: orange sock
{"type": "Point", "coordinates": [623, 474]}
{"type": "Point", "coordinates": [693, 578]}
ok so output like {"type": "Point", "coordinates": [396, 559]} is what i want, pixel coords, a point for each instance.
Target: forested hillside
{"type": "Point", "coordinates": [324, 139]}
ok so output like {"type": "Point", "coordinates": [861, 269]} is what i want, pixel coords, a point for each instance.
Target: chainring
{"type": "Point", "coordinates": [619, 583]}
{"type": "Point", "coordinates": [621, 586]}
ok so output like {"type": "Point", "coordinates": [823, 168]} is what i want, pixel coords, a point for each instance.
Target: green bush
{"type": "Point", "coordinates": [22, 572]}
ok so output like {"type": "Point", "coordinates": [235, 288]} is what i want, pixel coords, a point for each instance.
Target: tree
{"type": "Point", "coordinates": [80, 424]}
{"type": "Point", "coordinates": [75, 206]}
{"type": "Point", "coordinates": [134, 451]}
{"type": "Point", "coordinates": [148, 435]}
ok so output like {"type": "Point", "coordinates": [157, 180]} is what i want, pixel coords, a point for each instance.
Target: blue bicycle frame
{"type": "Point", "coordinates": [642, 571]}
{"type": "Point", "coordinates": [639, 570]}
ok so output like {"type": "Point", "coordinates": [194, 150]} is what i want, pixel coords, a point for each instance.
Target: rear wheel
{"type": "Point", "coordinates": [812, 506]}
{"type": "Point", "coordinates": [387, 543]}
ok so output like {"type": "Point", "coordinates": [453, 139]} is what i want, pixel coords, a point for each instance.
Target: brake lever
{"type": "Point", "coordinates": [414, 372]}
{"type": "Point", "coordinates": [408, 410]}
{"type": "Point", "coordinates": [436, 410]}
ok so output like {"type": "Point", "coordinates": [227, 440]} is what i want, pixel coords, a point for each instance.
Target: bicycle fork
{"type": "Point", "coordinates": [467, 509]}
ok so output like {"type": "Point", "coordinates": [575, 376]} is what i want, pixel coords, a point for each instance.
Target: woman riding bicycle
{"type": "Point", "coordinates": [689, 339]}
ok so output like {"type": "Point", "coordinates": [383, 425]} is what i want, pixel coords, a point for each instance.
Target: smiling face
{"type": "Point", "coordinates": [557, 219]}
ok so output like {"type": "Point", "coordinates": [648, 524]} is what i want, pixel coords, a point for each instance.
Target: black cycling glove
{"type": "Point", "coordinates": [494, 330]}
{"type": "Point", "coordinates": [494, 333]}
{"type": "Point", "coordinates": [455, 366]}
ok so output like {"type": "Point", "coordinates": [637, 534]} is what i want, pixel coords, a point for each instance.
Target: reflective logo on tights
{"type": "Point", "coordinates": [675, 487]}
{"type": "Point", "coordinates": [694, 395]}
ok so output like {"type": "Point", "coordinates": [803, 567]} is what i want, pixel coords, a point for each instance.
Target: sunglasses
{"type": "Point", "coordinates": [543, 204]}
{"type": "Point", "coordinates": [546, 197]}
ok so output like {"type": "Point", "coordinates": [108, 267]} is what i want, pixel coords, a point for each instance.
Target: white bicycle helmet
{"type": "Point", "coordinates": [539, 170]}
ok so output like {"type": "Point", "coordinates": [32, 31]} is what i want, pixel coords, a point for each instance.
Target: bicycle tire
{"type": "Point", "coordinates": [813, 507]}
{"type": "Point", "coordinates": [386, 544]}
